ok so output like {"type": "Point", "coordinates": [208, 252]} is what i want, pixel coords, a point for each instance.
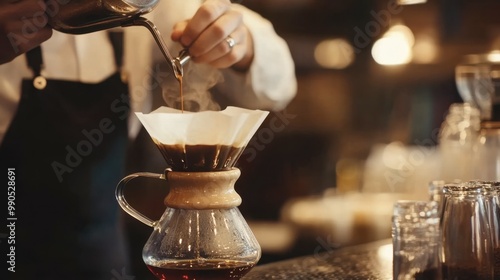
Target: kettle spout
{"type": "Point", "coordinates": [176, 63]}
{"type": "Point", "coordinates": [179, 62]}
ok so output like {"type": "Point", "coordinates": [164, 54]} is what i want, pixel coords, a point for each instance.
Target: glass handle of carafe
{"type": "Point", "coordinates": [120, 196]}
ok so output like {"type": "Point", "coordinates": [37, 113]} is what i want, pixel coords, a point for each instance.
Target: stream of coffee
{"type": "Point", "coordinates": [178, 76]}
{"type": "Point", "coordinates": [181, 93]}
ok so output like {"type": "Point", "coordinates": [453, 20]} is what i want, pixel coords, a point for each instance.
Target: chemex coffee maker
{"type": "Point", "coordinates": [201, 234]}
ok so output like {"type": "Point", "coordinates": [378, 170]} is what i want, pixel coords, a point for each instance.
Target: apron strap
{"type": "Point", "coordinates": [116, 39]}
{"type": "Point", "coordinates": [35, 59]}
{"type": "Point", "coordinates": [35, 63]}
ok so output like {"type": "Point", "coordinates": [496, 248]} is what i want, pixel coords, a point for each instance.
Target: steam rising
{"type": "Point", "coordinates": [198, 79]}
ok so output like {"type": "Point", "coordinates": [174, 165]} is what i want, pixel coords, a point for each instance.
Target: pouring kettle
{"type": "Point", "coordinates": [86, 16]}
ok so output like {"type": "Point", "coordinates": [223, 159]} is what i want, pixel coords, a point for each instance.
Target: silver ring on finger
{"type": "Point", "coordinates": [230, 42]}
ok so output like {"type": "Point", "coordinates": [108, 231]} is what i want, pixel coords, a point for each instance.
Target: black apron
{"type": "Point", "coordinates": [67, 143]}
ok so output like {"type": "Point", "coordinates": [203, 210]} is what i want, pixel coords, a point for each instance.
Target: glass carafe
{"type": "Point", "coordinates": [201, 233]}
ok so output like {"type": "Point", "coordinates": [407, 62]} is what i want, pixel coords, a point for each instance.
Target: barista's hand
{"type": "Point", "coordinates": [23, 26]}
{"type": "Point", "coordinates": [206, 35]}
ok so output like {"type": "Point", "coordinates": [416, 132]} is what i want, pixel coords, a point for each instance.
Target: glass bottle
{"type": "Point", "coordinates": [465, 77]}
{"type": "Point", "coordinates": [486, 152]}
{"type": "Point", "coordinates": [457, 137]}
{"type": "Point", "coordinates": [486, 155]}
{"type": "Point", "coordinates": [466, 236]}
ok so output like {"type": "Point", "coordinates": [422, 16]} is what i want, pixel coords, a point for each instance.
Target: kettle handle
{"type": "Point", "coordinates": [120, 196]}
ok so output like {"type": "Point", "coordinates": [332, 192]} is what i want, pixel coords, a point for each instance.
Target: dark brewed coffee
{"type": "Point", "coordinates": [208, 270]}
{"type": "Point", "coordinates": [497, 264]}
{"type": "Point", "coordinates": [463, 273]}
{"type": "Point", "coordinates": [428, 274]}
{"type": "Point", "coordinates": [200, 158]}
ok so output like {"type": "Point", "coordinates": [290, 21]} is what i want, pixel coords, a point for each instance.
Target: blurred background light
{"type": "Point", "coordinates": [334, 53]}
{"type": "Point", "coordinates": [494, 56]}
{"type": "Point", "coordinates": [411, 2]}
{"type": "Point", "coordinates": [401, 30]}
{"type": "Point", "coordinates": [425, 50]}
{"type": "Point", "coordinates": [395, 46]}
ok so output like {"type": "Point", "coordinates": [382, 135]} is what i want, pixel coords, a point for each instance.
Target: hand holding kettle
{"type": "Point", "coordinates": [215, 35]}
{"type": "Point", "coordinates": [23, 26]}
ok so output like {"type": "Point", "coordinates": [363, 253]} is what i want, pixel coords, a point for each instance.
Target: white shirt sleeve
{"type": "Point", "coordinates": [271, 82]}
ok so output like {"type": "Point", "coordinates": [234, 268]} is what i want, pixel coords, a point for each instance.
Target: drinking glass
{"type": "Point", "coordinates": [415, 237]}
{"type": "Point", "coordinates": [466, 236]}
{"type": "Point", "coordinates": [492, 201]}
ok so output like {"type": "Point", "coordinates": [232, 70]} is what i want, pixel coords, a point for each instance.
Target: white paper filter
{"type": "Point", "coordinates": [233, 126]}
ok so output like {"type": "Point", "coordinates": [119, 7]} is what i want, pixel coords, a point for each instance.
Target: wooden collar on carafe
{"type": "Point", "coordinates": [202, 190]}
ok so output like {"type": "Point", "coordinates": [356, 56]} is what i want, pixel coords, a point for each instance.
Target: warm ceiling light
{"type": "Point", "coordinates": [494, 56]}
{"type": "Point", "coordinates": [395, 46]}
{"type": "Point", "coordinates": [393, 50]}
{"type": "Point", "coordinates": [401, 30]}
